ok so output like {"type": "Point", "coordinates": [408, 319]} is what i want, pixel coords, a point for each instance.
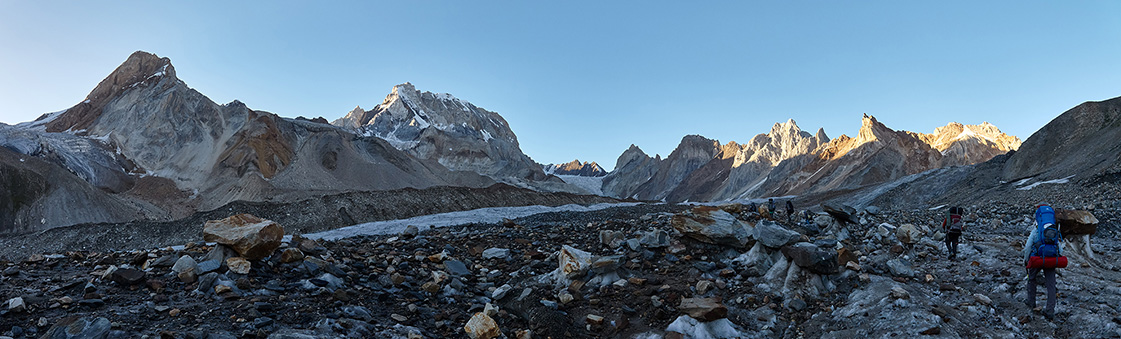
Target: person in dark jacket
{"type": "Point", "coordinates": [790, 211]}
{"type": "Point", "coordinates": [953, 225]}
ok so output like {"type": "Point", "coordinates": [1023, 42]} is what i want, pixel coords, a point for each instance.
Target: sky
{"type": "Point", "coordinates": [586, 79]}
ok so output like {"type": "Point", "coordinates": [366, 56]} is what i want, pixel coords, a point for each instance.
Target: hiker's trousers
{"type": "Point", "coordinates": [1049, 277]}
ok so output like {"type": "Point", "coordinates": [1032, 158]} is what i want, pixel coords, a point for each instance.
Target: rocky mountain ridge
{"type": "Point", "coordinates": [575, 167]}
{"type": "Point", "coordinates": [789, 161]}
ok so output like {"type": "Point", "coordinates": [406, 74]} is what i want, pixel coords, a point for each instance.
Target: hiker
{"type": "Point", "coordinates": [771, 208]}
{"type": "Point", "coordinates": [808, 217]}
{"type": "Point", "coordinates": [789, 211]}
{"type": "Point", "coordinates": [1043, 251]}
{"type": "Point", "coordinates": [953, 225]}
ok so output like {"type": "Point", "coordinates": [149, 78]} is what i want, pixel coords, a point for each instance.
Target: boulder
{"type": "Point", "coordinates": [812, 258]}
{"type": "Point", "coordinates": [908, 234]}
{"type": "Point", "coordinates": [184, 264]}
{"type": "Point", "coordinates": [410, 232]}
{"type": "Point", "coordinates": [655, 239]}
{"type": "Point", "coordinates": [611, 239]}
{"type": "Point", "coordinates": [845, 256]}
{"type": "Point", "coordinates": [16, 305]}
{"type": "Point", "coordinates": [703, 309]}
{"type": "Point", "coordinates": [900, 268]}
{"type": "Point", "coordinates": [713, 225]}
{"type": "Point", "coordinates": [252, 237]}
{"type": "Point", "coordinates": [75, 327]}
{"type": "Point", "coordinates": [481, 326]}
{"type": "Point", "coordinates": [290, 255]}
{"type": "Point", "coordinates": [1076, 222]}
{"type": "Point", "coordinates": [238, 265]}
{"type": "Point", "coordinates": [756, 261]}
{"type": "Point", "coordinates": [774, 235]}
{"type": "Point", "coordinates": [456, 267]}
{"type": "Point", "coordinates": [496, 253]}
{"type": "Point", "coordinates": [841, 212]}
{"type": "Point", "coordinates": [573, 262]}
{"type": "Point", "coordinates": [128, 276]}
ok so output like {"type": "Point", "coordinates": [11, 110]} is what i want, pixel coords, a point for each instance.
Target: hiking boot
{"type": "Point", "coordinates": [1049, 315]}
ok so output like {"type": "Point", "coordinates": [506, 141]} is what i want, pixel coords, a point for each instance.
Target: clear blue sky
{"type": "Point", "coordinates": [585, 80]}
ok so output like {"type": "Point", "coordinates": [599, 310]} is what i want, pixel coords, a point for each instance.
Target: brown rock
{"type": "Point", "coordinates": [290, 255]}
{"type": "Point", "coordinates": [594, 320]}
{"type": "Point", "coordinates": [844, 256]}
{"type": "Point", "coordinates": [932, 331]}
{"type": "Point", "coordinates": [252, 237]}
{"type": "Point", "coordinates": [1076, 222]}
{"type": "Point", "coordinates": [188, 276]}
{"type": "Point", "coordinates": [481, 326]}
{"type": "Point", "coordinates": [238, 265]}
{"type": "Point", "coordinates": [431, 287]}
{"type": "Point", "coordinates": [703, 309]}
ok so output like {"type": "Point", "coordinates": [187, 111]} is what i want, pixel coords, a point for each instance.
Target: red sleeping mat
{"type": "Point", "coordinates": [1047, 262]}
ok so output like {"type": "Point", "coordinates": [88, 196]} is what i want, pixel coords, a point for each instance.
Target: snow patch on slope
{"type": "Point", "coordinates": [593, 185]}
{"type": "Point", "coordinates": [1029, 187]}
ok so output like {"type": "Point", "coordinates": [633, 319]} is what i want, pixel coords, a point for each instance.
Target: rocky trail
{"type": "Point", "coordinates": [642, 271]}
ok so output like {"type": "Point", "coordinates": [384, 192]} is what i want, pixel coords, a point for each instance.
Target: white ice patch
{"type": "Point", "coordinates": [935, 208]}
{"type": "Point", "coordinates": [38, 125]}
{"type": "Point", "coordinates": [691, 328]}
{"type": "Point", "coordinates": [482, 215]}
{"type": "Point", "coordinates": [1056, 181]}
{"type": "Point", "coordinates": [593, 185]}
{"type": "Point", "coordinates": [486, 135]}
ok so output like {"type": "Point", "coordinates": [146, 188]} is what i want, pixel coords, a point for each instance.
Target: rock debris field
{"type": "Point", "coordinates": [642, 271]}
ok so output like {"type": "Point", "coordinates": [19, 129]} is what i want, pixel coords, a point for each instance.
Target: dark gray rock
{"type": "Point", "coordinates": [209, 266]}
{"type": "Point", "coordinates": [812, 258]}
{"type": "Point", "coordinates": [655, 239]}
{"type": "Point", "coordinates": [841, 212]}
{"type": "Point", "coordinates": [79, 328]}
{"type": "Point", "coordinates": [456, 267]}
{"type": "Point", "coordinates": [900, 268]}
{"type": "Point", "coordinates": [774, 235]}
{"type": "Point", "coordinates": [128, 276]}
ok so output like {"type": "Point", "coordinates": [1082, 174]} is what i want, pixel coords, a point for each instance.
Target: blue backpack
{"type": "Point", "coordinates": [1048, 233]}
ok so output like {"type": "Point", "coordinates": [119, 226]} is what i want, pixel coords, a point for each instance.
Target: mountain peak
{"type": "Point", "coordinates": [141, 69]}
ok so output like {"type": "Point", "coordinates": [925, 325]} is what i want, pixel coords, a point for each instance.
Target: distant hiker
{"type": "Point", "coordinates": [771, 208]}
{"type": "Point", "coordinates": [807, 217]}
{"type": "Point", "coordinates": [953, 225]}
{"type": "Point", "coordinates": [1043, 251]}
{"type": "Point", "coordinates": [753, 207]}
{"type": "Point", "coordinates": [789, 211]}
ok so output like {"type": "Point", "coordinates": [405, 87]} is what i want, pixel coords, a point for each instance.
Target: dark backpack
{"type": "Point", "coordinates": [954, 222]}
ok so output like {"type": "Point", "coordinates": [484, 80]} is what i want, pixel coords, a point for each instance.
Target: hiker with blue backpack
{"type": "Point", "coordinates": [1043, 252]}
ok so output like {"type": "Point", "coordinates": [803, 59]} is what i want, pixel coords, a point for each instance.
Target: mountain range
{"type": "Point", "coordinates": [790, 161]}
{"type": "Point", "coordinates": [145, 146]}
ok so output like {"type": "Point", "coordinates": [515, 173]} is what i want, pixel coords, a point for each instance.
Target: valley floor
{"type": "Point", "coordinates": [430, 285]}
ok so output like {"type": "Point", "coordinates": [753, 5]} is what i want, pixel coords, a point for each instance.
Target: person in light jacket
{"type": "Point", "coordinates": [1030, 246]}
